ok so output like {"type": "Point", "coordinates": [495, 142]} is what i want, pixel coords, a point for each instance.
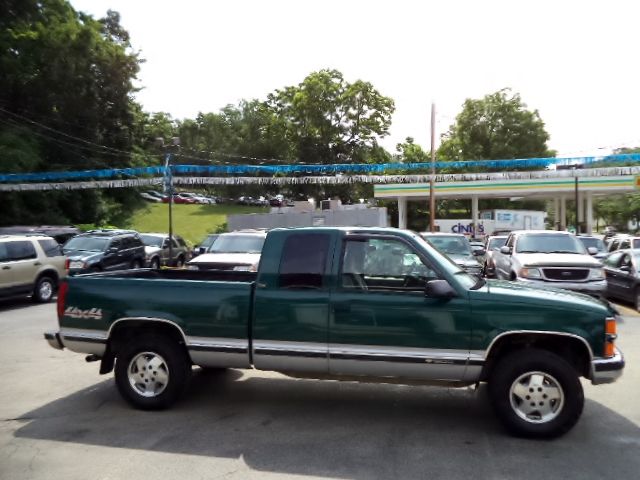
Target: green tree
{"type": "Point", "coordinates": [65, 97]}
{"type": "Point", "coordinates": [498, 126]}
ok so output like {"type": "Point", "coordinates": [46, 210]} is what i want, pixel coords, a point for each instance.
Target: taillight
{"type": "Point", "coordinates": [66, 265]}
{"type": "Point", "coordinates": [62, 296]}
{"type": "Point", "coordinates": [610, 335]}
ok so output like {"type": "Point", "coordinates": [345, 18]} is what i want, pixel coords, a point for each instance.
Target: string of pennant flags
{"type": "Point", "coordinates": [282, 174]}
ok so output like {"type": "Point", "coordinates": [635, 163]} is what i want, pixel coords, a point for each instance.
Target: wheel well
{"type": "Point", "coordinates": [48, 273]}
{"type": "Point", "coordinates": [126, 330]}
{"type": "Point", "coordinates": [574, 351]}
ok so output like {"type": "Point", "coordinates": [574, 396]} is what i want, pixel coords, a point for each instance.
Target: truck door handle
{"type": "Point", "coordinates": [6, 267]}
{"type": "Point", "coordinates": [37, 264]}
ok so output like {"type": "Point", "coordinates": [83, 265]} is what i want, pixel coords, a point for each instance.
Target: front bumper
{"type": "Point", "coordinates": [596, 288]}
{"type": "Point", "coordinates": [607, 370]}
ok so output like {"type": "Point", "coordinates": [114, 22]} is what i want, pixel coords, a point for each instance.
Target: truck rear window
{"type": "Point", "coordinates": [303, 260]}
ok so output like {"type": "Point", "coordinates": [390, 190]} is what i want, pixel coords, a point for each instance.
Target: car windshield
{"type": "Point", "coordinates": [450, 245]}
{"type": "Point", "coordinates": [237, 244]}
{"type": "Point", "coordinates": [496, 242]}
{"type": "Point", "coordinates": [549, 243]}
{"type": "Point", "coordinates": [86, 244]}
{"type": "Point", "coordinates": [208, 241]}
{"type": "Point", "coordinates": [152, 240]}
{"type": "Point", "coordinates": [593, 242]}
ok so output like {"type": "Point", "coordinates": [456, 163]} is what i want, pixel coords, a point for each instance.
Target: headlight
{"type": "Point", "coordinates": [529, 273]}
{"type": "Point", "coordinates": [596, 274]}
{"type": "Point", "coordinates": [192, 267]}
{"type": "Point", "coordinates": [76, 264]}
{"type": "Point", "coordinates": [242, 268]}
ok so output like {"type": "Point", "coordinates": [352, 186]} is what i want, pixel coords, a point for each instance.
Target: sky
{"type": "Point", "coordinates": [576, 62]}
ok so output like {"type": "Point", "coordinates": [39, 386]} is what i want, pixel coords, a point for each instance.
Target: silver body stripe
{"type": "Point", "coordinates": [83, 340]}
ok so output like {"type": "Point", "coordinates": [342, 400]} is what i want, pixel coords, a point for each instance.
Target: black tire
{"type": "Point", "coordinates": [180, 261]}
{"type": "Point", "coordinates": [174, 366]}
{"type": "Point", "coordinates": [636, 298]}
{"type": "Point", "coordinates": [155, 263]}
{"type": "Point", "coordinates": [44, 289]}
{"type": "Point", "coordinates": [562, 380]}
{"type": "Point", "coordinates": [136, 264]}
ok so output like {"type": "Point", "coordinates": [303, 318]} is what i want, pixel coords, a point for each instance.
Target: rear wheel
{"type": "Point", "coordinates": [44, 289]}
{"type": "Point", "coordinates": [536, 393]}
{"type": "Point", "coordinates": [151, 372]}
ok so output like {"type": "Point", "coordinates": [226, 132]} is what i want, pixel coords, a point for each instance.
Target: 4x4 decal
{"type": "Point", "coordinates": [75, 312]}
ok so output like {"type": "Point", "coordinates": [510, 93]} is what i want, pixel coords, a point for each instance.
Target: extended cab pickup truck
{"type": "Point", "coordinates": [346, 303]}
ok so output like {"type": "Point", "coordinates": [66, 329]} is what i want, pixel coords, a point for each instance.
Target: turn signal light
{"type": "Point", "coordinates": [610, 335]}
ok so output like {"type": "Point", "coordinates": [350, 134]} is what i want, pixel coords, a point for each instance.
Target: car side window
{"type": "Point", "coordinates": [21, 250]}
{"type": "Point", "coordinates": [117, 244]}
{"type": "Point", "coordinates": [624, 244]}
{"type": "Point", "coordinates": [510, 241]}
{"type": "Point", "coordinates": [4, 253]}
{"type": "Point", "coordinates": [383, 264]}
{"type": "Point", "coordinates": [304, 260]}
{"type": "Point", "coordinates": [625, 261]}
{"type": "Point", "coordinates": [51, 248]}
{"type": "Point", "coordinates": [613, 259]}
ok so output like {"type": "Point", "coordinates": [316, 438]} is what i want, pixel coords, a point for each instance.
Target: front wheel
{"type": "Point", "coordinates": [136, 264]}
{"type": "Point", "coordinates": [536, 394]}
{"type": "Point", "coordinates": [180, 262]}
{"type": "Point", "coordinates": [151, 372]}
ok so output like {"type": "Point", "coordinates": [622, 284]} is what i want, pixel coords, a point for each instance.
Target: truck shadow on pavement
{"type": "Point", "coordinates": [339, 430]}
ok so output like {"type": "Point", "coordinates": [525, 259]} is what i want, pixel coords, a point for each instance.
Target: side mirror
{"type": "Point", "coordinates": [506, 250]}
{"type": "Point", "coordinates": [112, 250]}
{"type": "Point", "coordinates": [439, 289]}
{"type": "Point", "coordinates": [592, 250]}
{"type": "Point", "coordinates": [625, 268]}
{"type": "Point", "coordinates": [201, 250]}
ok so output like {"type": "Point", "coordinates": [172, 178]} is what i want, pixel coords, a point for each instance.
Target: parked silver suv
{"type": "Point", "coordinates": [30, 265]}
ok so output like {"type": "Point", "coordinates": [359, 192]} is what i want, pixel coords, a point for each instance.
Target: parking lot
{"type": "Point", "coordinates": [60, 419]}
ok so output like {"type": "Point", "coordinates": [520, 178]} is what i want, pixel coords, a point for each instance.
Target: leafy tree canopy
{"type": "Point", "coordinates": [497, 126]}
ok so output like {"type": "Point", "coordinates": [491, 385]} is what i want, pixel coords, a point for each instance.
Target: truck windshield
{"type": "Point", "coordinates": [86, 244]}
{"type": "Point", "coordinates": [466, 280]}
{"type": "Point", "coordinates": [549, 243]}
{"type": "Point", "coordinates": [237, 244]}
{"type": "Point", "coordinates": [152, 240]}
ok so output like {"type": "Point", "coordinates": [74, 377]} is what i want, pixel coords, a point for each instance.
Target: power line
{"type": "Point", "coordinates": [78, 139]}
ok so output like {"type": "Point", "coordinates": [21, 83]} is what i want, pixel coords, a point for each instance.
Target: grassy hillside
{"type": "Point", "coordinates": [192, 222]}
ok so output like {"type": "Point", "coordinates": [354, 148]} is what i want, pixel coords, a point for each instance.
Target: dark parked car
{"type": "Point", "coordinates": [621, 270]}
{"type": "Point", "coordinates": [595, 242]}
{"type": "Point", "coordinates": [99, 250]}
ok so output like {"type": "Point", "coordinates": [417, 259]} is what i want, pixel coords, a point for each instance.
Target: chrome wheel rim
{"type": "Point", "coordinates": [45, 290]}
{"type": "Point", "coordinates": [148, 374]}
{"type": "Point", "coordinates": [536, 397]}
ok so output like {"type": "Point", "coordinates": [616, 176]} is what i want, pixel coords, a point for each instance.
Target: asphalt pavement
{"type": "Point", "coordinates": [59, 419]}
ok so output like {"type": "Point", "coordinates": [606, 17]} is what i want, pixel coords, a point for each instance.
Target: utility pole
{"type": "Point", "coordinates": [168, 184]}
{"type": "Point", "coordinates": [432, 196]}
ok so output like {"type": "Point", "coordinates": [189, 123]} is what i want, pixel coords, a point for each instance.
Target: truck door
{"type": "Point", "coordinates": [290, 325]}
{"type": "Point", "coordinates": [382, 324]}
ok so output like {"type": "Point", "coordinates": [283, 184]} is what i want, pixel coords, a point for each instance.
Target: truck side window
{"type": "Point", "coordinates": [383, 264]}
{"type": "Point", "coordinates": [303, 261]}
{"type": "Point", "coordinates": [21, 250]}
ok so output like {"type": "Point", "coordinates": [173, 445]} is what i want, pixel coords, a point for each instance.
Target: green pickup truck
{"type": "Point", "coordinates": [369, 304]}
